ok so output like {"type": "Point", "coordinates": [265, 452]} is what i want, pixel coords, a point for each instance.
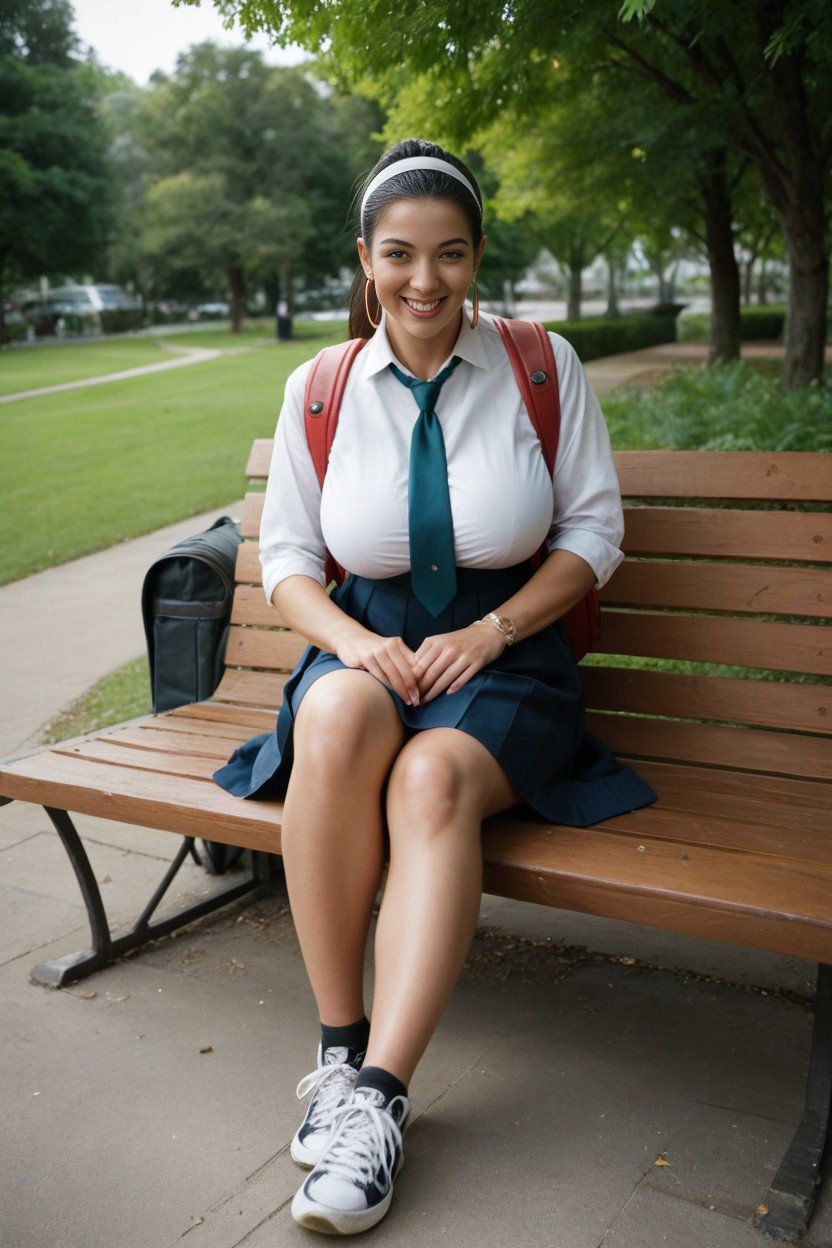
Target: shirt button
{"type": "Point", "coordinates": [433, 568]}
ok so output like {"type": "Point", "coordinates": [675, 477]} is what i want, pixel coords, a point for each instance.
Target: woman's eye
{"type": "Point", "coordinates": [391, 255]}
{"type": "Point", "coordinates": [455, 255]}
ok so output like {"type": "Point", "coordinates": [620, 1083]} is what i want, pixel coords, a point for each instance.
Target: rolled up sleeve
{"type": "Point", "coordinates": [291, 540]}
{"type": "Point", "coordinates": [588, 518]}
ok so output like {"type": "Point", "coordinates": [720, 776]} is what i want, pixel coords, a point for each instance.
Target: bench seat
{"type": "Point", "coordinates": [726, 852]}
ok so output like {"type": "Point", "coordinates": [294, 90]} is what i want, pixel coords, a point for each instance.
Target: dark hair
{"type": "Point", "coordinates": [409, 184]}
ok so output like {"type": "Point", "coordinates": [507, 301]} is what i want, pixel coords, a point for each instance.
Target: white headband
{"type": "Point", "coordinates": [417, 162]}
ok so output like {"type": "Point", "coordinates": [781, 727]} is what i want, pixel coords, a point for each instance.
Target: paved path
{"type": "Point", "coordinates": [185, 356]}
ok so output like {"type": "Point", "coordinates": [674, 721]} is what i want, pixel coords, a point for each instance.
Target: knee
{"type": "Point", "coordinates": [336, 722]}
{"type": "Point", "coordinates": [429, 788]}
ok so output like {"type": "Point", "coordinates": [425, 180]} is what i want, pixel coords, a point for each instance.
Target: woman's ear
{"type": "Point", "coordinates": [364, 256]}
{"type": "Point", "coordinates": [479, 252]}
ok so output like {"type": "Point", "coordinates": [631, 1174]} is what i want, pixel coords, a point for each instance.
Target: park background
{"type": "Point", "coordinates": [633, 158]}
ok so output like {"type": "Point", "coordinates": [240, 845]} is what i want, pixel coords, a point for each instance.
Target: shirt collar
{"type": "Point", "coordinates": [378, 353]}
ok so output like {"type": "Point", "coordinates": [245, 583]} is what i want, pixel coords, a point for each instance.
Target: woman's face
{"type": "Point", "coordinates": [422, 262]}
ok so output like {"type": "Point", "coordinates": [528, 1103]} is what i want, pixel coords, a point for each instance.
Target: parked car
{"type": "Point", "coordinates": [85, 309]}
{"type": "Point", "coordinates": [209, 312]}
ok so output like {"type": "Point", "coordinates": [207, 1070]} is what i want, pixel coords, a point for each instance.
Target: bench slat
{"type": "Point", "coordinates": [748, 749]}
{"type": "Point", "coordinates": [791, 476]}
{"type": "Point", "coordinates": [725, 532]}
{"type": "Point", "coordinates": [718, 639]}
{"type": "Point", "coordinates": [765, 703]}
{"type": "Point", "coordinates": [205, 744]}
{"type": "Point", "coordinates": [754, 589]}
{"type": "Point", "coordinates": [262, 689]}
{"type": "Point", "coordinates": [104, 750]}
{"type": "Point", "coordinates": [250, 607]}
{"type": "Point", "coordinates": [227, 713]}
{"type": "Point", "coordinates": [265, 648]}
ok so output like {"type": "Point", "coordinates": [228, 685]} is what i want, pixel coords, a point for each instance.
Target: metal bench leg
{"type": "Point", "coordinates": [791, 1198]}
{"type": "Point", "coordinates": [105, 949]}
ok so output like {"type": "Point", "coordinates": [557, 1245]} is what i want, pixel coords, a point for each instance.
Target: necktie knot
{"type": "Point", "coordinates": [427, 392]}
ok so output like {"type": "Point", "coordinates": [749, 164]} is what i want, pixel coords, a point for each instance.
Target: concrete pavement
{"type": "Point", "coordinates": [592, 1084]}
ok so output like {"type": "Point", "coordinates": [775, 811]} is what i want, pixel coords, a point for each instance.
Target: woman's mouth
{"type": "Point", "coordinates": [424, 308]}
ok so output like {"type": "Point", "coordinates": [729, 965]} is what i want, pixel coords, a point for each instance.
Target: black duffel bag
{"type": "Point", "coordinates": [186, 608]}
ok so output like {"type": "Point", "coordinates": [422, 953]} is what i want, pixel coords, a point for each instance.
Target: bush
{"type": "Point", "coordinates": [730, 407]}
{"type": "Point", "coordinates": [759, 323]}
{"type": "Point", "coordinates": [599, 335]}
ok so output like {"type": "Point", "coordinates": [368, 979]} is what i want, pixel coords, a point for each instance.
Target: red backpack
{"type": "Point", "coordinates": [532, 358]}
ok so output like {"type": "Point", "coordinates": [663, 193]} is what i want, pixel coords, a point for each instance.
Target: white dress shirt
{"type": "Point", "coordinates": [503, 501]}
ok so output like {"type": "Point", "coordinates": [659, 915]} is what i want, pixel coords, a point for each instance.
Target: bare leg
{"type": "Point", "coordinates": [347, 733]}
{"type": "Point", "coordinates": [442, 785]}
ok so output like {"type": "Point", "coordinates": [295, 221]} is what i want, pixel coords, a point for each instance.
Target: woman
{"type": "Point", "coordinates": [438, 687]}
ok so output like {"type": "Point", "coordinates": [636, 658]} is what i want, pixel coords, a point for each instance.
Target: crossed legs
{"type": "Point", "coordinates": [353, 770]}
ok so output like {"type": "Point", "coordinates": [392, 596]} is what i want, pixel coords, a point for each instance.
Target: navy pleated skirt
{"type": "Point", "coordinates": [526, 707]}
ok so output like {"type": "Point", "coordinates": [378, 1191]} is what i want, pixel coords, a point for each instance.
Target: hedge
{"type": "Point", "coordinates": [761, 323]}
{"type": "Point", "coordinates": [599, 335]}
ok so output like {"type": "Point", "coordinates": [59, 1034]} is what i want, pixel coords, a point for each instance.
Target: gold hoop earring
{"type": "Point", "coordinates": [476, 315]}
{"type": "Point", "coordinates": [375, 324]}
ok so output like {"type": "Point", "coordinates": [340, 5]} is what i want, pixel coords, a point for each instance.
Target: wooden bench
{"type": "Point", "coordinates": [730, 564]}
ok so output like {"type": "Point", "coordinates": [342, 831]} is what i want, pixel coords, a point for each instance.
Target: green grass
{"type": "Point", "coordinates": [30, 368]}
{"type": "Point", "coordinates": [122, 694]}
{"type": "Point", "coordinates": [84, 469]}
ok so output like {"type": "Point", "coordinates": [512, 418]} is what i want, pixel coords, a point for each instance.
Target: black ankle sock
{"type": "Point", "coordinates": [376, 1077]}
{"type": "Point", "coordinates": [353, 1036]}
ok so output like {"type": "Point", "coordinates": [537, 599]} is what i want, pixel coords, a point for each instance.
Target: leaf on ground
{"type": "Point", "coordinates": [209, 1048]}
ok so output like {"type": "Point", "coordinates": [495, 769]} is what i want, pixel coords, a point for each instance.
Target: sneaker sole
{"type": "Point", "coordinates": [317, 1217]}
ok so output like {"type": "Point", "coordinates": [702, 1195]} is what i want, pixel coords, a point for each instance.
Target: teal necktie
{"type": "Point", "coordinates": [431, 526]}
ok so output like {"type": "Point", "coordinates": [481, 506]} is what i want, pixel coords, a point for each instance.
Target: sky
{"type": "Point", "coordinates": [138, 36]}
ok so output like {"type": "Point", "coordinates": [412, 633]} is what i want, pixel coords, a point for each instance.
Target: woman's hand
{"type": "Point", "coordinates": [386, 658]}
{"type": "Point", "coordinates": [444, 663]}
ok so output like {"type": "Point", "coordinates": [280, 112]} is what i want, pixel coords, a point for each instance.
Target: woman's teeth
{"type": "Point", "coordinates": [423, 307]}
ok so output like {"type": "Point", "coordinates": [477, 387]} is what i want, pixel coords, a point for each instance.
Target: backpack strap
{"type": "Point", "coordinates": [324, 391]}
{"type": "Point", "coordinates": [529, 349]}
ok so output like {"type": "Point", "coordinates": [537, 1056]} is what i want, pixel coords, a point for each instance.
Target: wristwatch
{"type": "Point", "coordinates": [503, 623]}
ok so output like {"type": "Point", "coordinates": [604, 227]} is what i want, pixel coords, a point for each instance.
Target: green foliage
{"type": "Point", "coordinates": [730, 407]}
{"type": "Point", "coordinates": [55, 203]}
{"type": "Point", "coordinates": [594, 337]}
{"type": "Point", "coordinates": [755, 323]}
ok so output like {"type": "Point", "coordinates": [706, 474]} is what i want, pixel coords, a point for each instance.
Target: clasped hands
{"type": "Point", "coordinates": [442, 664]}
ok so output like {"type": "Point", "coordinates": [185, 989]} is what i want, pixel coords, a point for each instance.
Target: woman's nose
{"type": "Point", "coordinates": [424, 277]}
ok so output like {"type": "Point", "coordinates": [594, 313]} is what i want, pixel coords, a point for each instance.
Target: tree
{"type": "Point", "coordinates": [762, 65]}
{"type": "Point", "coordinates": [55, 188]}
{"type": "Point", "coordinates": [247, 171]}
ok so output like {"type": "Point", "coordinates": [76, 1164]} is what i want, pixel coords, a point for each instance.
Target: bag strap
{"type": "Point", "coordinates": [325, 386]}
{"type": "Point", "coordinates": [529, 349]}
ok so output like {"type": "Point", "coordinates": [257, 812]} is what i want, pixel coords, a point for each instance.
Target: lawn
{"type": "Point", "coordinates": [30, 368]}
{"type": "Point", "coordinates": [84, 469]}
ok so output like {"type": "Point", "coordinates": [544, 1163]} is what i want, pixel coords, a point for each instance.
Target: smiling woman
{"type": "Point", "coordinates": [438, 686]}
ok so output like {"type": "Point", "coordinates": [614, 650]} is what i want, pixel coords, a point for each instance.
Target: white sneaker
{"type": "Point", "coordinates": [333, 1079]}
{"type": "Point", "coordinates": [351, 1187]}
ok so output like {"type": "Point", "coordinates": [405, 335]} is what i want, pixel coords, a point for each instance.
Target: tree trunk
{"type": "Point", "coordinates": [797, 189]}
{"type": "Point", "coordinates": [237, 293]}
{"type": "Point", "coordinates": [805, 336]}
{"type": "Point", "coordinates": [748, 281]}
{"type": "Point", "coordinates": [762, 284]}
{"type": "Point", "coordinates": [613, 308]}
{"type": "Point", "coordinates": [725, 274]}
{"type": "Point", "coordinates": [573, 306]}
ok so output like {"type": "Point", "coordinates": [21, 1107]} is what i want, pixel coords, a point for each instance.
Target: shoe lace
{"type": "Point", "coordinates": [333, 1084]}
{"type": "Point", "coordinates": [363, 1139]}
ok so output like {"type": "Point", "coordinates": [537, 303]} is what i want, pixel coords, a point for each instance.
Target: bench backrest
{"type": "Point", "coordinates": [729, 569]}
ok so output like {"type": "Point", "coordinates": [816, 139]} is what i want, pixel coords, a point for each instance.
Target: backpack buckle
{"type": "Point", "coordinates": [539, 378]}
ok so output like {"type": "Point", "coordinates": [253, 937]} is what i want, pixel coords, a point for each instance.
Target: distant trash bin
{"type": "Point", "coordinates": [284, 327]}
